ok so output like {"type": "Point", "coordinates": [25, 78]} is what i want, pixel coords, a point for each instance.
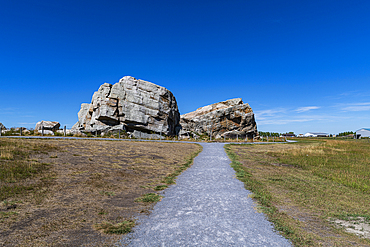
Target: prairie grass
{"type": "Point", "coordinates": [160, 187]}
{"type": "Point", "coordinates": [149, 198]}
{"type": "Point", "coordinates": [119, 228]}
{"type": "Point", "coordinates": [303, 187]}
{"type": "Point", "coordinates": [16, 167]}
{"type": "Point", "coordinates": [89, 185]}
{"type": "Point", "coordinates": [345, 162]}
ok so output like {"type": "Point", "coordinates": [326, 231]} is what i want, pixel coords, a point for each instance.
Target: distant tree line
{"type": "Point", "coordinates": [346, 133]}
{"type": "Point", "coordinates": [261, 133]}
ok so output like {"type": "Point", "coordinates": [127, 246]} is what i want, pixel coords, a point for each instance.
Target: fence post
{"type": "Point", "coordinates": [160, 134]}
{"type": "Point", "coordinates": [65, 130]}
{"type": "Point", "coordinates": [237, 137]}
{"type": "Point", "coordinates": [0, 130]}
{"type": "Point", "coordinates": [20, 131]}
{"type": "Point", "coordinates": [42, 130]}
{"type": "Point", "coordinates": [119, 134]}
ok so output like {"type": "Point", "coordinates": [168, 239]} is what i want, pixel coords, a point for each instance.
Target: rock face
{"type": "Point", "coordinates": [141, 108]}
{"type": "Point", "coordinates": [2, 127]}
{"type": "Point", "coordinates": [230, 119]}
{"type": "Point", "coordinates": [49, 126]}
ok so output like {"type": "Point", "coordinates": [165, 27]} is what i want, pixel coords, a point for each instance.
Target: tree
{"type": "Point", "coordinates": [261, 133]}
{"type": "Point", "coordinates": [346, 133]}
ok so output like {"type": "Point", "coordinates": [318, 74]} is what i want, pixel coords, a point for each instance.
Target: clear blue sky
{"type": "Point", "coordinates": [301, 65]}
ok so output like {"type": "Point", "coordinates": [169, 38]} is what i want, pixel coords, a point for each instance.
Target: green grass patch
{"type": "Point", "coordinates": [7, 214]}
{"type": "Point", "coordinates": [107, 193]}
{"type": "Point", "coordinates": [102, 212]}
{"type": "Point", "coordinates": [349, 217]}
{"type": "Point", "coordinates": [119, 228]}
{"type": "Point", "coordinates": [16, 166]}
{"type": "Point", "coordinates": [16, 170]}
{"type": "Point", "coordinates": [160, 187]}
{"type": "Point", "coordinates": [149, 198]}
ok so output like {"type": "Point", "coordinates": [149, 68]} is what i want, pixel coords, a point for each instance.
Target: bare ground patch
{"type": "Point", "coordinates": [88, 184]}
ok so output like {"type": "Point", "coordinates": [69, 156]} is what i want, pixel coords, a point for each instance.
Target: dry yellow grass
{"type": "Point", "coordinates": [304, 187]}
{"type": "Point", "coordinates": [86, 183]}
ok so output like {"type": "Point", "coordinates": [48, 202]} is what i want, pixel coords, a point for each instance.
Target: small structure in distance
{"type": "Point", "coordinates": [288, 135]}
{"type": "Point", "coordinates": [364, 132]}
{"type": "Point", "coordinates": [316, 134]}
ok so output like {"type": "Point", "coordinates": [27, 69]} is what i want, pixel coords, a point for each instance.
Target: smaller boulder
{"type": "Point", "coordinates": [19, 128]}
{"type": "Point", "coordinates": [47, 132]}
{"type": "Point", "coordinates": [48, 125]}
{"type": "Point", "coordinates": [68, 132]}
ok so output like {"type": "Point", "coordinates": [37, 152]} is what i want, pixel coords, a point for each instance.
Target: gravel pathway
{"type": "Point", "coordinates": [208, 206]}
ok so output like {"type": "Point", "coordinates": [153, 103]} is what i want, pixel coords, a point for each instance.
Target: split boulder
{"type": "Point", "coordinates": [230, 119]}
{"type": "Point", "coordinates": [49, 127]}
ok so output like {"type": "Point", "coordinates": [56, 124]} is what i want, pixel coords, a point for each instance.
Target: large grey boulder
{"type": "Point", "coordinates": [50, 126]}
{"type": "Point", "coordinates": [230, 119]}
{"type": "Point", "coordinates": [139, 107]}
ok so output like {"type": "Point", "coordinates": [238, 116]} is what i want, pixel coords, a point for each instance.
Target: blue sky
{"type": "Point", "coordinates": [301, 65]}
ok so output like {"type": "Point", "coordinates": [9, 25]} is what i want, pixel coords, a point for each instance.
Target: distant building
{"type": "Point", "coordinates": [300, 135]}
{"type": "Point", "coordinates": [316, 134]}
{"type": "Point", "coordinates": [288, 135]}
{"type": "Point", "coordinates": [365, 132]}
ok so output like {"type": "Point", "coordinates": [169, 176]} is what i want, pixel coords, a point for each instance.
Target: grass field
{"type": "Point", "coordinates": [79, 192]}
{"type": "Point", "coordinates": [315, 191]}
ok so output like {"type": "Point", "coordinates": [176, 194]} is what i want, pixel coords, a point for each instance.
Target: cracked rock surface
{"type": "Point", "coordinates": [227, 119]}
{"type": "Point", "coordinates": [207, 206]}
{"type": "Point", "coordinates": [139, 107]}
